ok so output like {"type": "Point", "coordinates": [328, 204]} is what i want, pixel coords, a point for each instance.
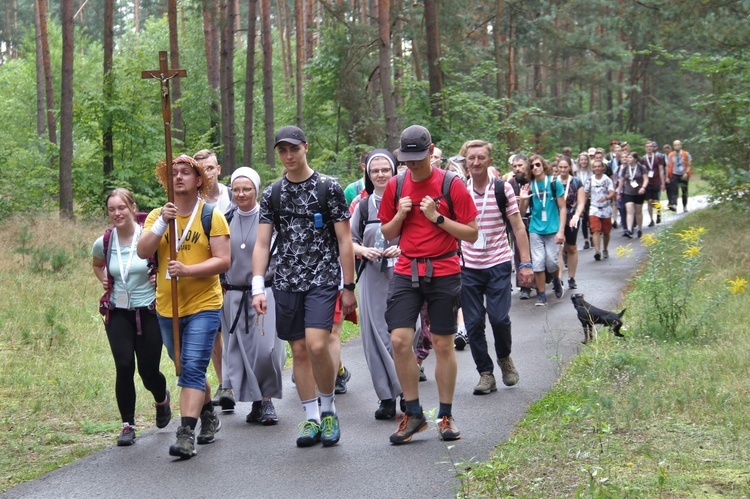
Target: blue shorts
{"type": "Point", "coordinates": [197, 334]}
{"type": "Point", "coordinates": [297, 311]}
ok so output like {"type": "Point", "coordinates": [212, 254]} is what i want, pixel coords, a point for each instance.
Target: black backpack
{"type": "Point", "coordinates": [322, 205]}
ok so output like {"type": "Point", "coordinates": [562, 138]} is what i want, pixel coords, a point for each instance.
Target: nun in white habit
{"type": "Point", "coordinates": [253, 356]}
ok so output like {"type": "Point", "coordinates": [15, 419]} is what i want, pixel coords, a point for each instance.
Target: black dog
{"type": "Point", "coordinates": [590, 315]}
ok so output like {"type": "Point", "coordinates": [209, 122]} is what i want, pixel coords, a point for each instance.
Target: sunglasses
{"type": "Point", "coordinates": [536, 165]}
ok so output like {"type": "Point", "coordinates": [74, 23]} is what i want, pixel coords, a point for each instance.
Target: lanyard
{"type": "Point", "coordinates": [187, 227]}
{"type": "Point", "coordinates": [470, 186]}
{"type": "Point", "coordinates": [126, 270]}
{"type": "Point", "coordinates": [536, 191]}
{"type": "Point", "coordinates": [567, 188]}
{"type": "Point", "coordinates": [650, 162]}
{"type": "Point", "coordinates": [631, 172]}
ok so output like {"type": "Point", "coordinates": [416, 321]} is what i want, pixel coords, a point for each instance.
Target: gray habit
{"type": "Point", "coordinates": [373, 290]}
{"type": "Point", "coordinates": [253, 356]}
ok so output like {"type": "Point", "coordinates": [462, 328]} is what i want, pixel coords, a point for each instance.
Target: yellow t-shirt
{"type": "Point", "coordinates": [196, 294]}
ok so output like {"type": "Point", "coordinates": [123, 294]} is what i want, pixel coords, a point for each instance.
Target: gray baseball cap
{"type": "Point", "coordinates": [415, 143]}
{"type": "Point", "coordinates": [291, 134]}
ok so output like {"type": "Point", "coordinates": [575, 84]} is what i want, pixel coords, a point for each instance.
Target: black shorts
{"type": "Point", "coordinates": [443, 295]}
{"type": "Point", "coordinates": [296, 312]}
{"type": "Point", "coordinates": [571, 235]}
{"type": "Point", "coordinates": [628, 198]}
{"type": "Point", "coordinates": [653, 192]}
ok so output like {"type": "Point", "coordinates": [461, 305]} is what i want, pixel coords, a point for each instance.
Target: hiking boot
{"type": "Point", "coordinates": [184, 447]}
{"type": "Point", "coordinates": [639, 233]}
{"type": "Point", "coordinates": [309, 433]}
{"type": "Point", "coordinates": [651, 224]}
{"type": "Point", "coordinates": [226, 398]}
{"type": "Point", "coordinates": [557, 285]}
{"type": "Point", "coordinates": [210, 424]}
{"type": "Point", "coordinates": [486, 385]}
{"type": "Point", "coordinates": [330, 433]}
{"type": "Point", "coordinates": [447, 429]}
{"type": "Point", "coordinates": [541, 301]}
{"type": "Point", "coordinates": [268, 414]}
{"type": "Point", "coordinates": [572, 283]}
{"type": "Point", "coordinates": [217, 396]}
{"type": "Point", "coordinates": [255, 412]}
{"type": "Point", "coordinates": [127, 436]}
{"type": "Point", "coordinates": [409, 425]}
{"type": "Point", "coordinates": [341, 380]}
{"type": "Point", "coordinates": [628, 234]}
{"type": "Point", "coordinates": [586, 245]}
{"type": "Point", "coordinates": [387, 409]}
{"type": "Point", "coordinates": [510, 375]}
{"type": "Point", "coordinates": [525, 293]}
{"type": "Point", "coordinates": [461, 339]}
{"type": "Point", "coordinates": [422, 375]}
{"type": "Point", "coordinates": [597, 256]}
{"type": "Point", "coordinates": [163, 413]}
{"type": "Point", "coordinates": [605, 253]}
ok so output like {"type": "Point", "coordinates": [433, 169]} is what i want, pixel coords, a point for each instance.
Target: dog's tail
{"type": "Point", "coordinates": [622, 313]}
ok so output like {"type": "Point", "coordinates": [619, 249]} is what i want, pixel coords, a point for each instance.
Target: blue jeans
{"type": "Point", "coordinates": [197, 334]}
{"type": "Point", "coordinates": [492, 284]}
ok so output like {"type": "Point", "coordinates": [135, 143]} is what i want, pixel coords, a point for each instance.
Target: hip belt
{"type": "Point", "coordinates": [428, 271]}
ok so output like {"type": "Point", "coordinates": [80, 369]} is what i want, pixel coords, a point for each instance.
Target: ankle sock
{"type": "Point", "coordinates": [413, 408]}
{"type": "Point", "coordinates": [327, 403]}
{"type": "Point", "coordinates": [444, 410]}
{"type": "Point", "coordinates": [312, 411]}
{"type": "Point", "coordinates": [189, 422]}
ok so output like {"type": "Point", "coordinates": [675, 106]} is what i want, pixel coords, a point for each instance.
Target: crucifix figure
{"type": "Point", "coordinates": [164, 74]}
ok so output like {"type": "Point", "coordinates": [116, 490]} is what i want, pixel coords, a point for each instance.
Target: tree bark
{"type": "Point", "coordinates": [398, 54]}
{"type": "Point", "coordinates": [66, 111]}
{"type": "Point", "coordinates": [268, 120]}
{"type": "Point", "coordinates": [137, 15]}
{"type": "Point", "coordinates": [247, 149]}
{"type": "Point", "coordinates": [40, 112]}
{"type": "Point", "coordinates": [309, 26]}
{"type": "Point", "coordinates": [435, 74]}
{"type": "Point", "coordinates": [49, 90]}
{"type": "Point", "coordinates": [299, 35]}
{"type": "Point", "coordinates": [108, 149]}
{"type": "Point", "coordinates": [211, 44]}
{"type": "Point", "coordinates": [389, 109]}
{"type": "Point", "coordinates": [178, 129]}
{"type": "Point", "coordinates": [226, 57]}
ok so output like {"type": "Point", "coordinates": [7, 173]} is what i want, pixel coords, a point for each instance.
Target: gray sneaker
{"type": "Point", "coordinates": [268, 413]}
{"type": "Point", "coordinates": [210, 424]}
{"type": "Point", "coordinates": [184, 447]}
{"type": "Point", "coordinates": [486, 385]}
{"type": "Point", "coordinates": [510, 375]}
{"type": "Point", "coordinates": [225, 397]}
{"type": "Point", "coordinates": [127, 436]}
{"type": "Point", "coordinates": [409, 425]}
{"type": "Point", "coordinates": [447, 429]}
{"type": "Point", "coordinates": [605, 253]}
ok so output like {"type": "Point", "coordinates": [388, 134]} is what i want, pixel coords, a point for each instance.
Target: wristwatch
{"type": "Point", "coordinates": [440, 219]}
{"type": "Point", "coordinates": [349, 286]}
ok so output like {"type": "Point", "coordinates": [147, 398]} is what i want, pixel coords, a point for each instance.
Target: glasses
{"type": "Point", "coordinates": [536, 165]}
{"type": "Point", "coordinates": [243, 190]}
{"type": "Point", "coordinates": [381, 171]}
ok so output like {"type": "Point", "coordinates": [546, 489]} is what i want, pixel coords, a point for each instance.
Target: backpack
{"type": "Point", "coordinates": [448, 179]}
{"type": "Point", "coordinates": [321, 204]}
{"type": "Point", "coordinates": [502, 202]}
{"type": "Point", "coordinates": [207, 214]}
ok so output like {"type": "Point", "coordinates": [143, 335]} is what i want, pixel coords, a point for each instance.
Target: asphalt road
{"type": "Point", "coordinates": [257, 461]}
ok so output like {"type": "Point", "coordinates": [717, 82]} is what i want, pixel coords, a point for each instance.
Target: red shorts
{"type": "Point", "coordinates": [337, 314]}
{"type": "Point", "coordinates": [603, 225]}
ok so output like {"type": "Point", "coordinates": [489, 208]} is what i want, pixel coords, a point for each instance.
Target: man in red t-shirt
{"type": "Point", "coordinates": [428, 269]}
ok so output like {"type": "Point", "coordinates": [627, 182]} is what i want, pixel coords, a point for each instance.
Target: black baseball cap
{"type": "Point", "coordinates": [291, 134]}
{"type": "Point", "coordinates": [415, 144]}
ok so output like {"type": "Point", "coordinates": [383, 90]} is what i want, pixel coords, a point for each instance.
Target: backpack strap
{"type": "Point", "coordinates": [502, 201]}
{"type": "Point", "coordinates": [207, 214]}
{"type": "Point", "coordinates": [106, 239]}
{"type": "Point", "coordinates": [448, 179]}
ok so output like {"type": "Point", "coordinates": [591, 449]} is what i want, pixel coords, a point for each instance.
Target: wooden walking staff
{"type": "Point", "coordinates": [164, 74]}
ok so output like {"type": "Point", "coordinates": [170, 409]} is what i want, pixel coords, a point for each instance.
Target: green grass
{"type": "Point", "coordinates": [645, 417]}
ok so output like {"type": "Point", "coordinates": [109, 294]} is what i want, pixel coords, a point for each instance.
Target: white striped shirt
{"type": "Point", "coordinates": [490, 221]}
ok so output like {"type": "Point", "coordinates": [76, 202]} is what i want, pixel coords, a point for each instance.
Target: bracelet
{"type": "Point", "coordinates": [526, 265]}
{"type": "Point", "coordinates": [258, 285]}
{"type": "Point", "coordinates": [159, 227]}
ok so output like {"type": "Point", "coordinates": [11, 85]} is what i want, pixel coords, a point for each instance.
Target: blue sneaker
{"type": "Point", "coordinates": [330, 432]}
{"type": "Point", "coordinates": [309, 433]}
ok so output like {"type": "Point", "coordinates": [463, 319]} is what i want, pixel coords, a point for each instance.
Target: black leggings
{"type": "Point", "coordinates": [126, 345]}
{"type": "Point", "coordinates": [585, 220]}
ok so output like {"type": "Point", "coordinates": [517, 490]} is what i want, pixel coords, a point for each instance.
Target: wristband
{"type": "Point", "coordinates": [525, 266]}
{"type": "Point", "coordinates": [159, 227]}
{"type": "Point", "coordinates": [258, 285]}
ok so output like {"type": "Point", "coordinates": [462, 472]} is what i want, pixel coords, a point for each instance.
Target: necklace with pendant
{"type": "Point", "coordinates": [242, 231]}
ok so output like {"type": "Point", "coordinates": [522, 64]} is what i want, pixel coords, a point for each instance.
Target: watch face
{"type": "Point", "coordinates": [440, 219]}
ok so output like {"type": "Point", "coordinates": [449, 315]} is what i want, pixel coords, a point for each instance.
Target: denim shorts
{"type": "Point", "coordinates": [197, 334]}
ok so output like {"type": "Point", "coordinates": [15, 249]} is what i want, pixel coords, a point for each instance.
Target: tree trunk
{"type": "Point", "coordinates": [398, 54]}
{"type": "Point", "coordinates": [389, 109]}
{"type": "Point", "coordinates": [309, 26]}
{"type": "Point", "coordinates": [66, 111]}
{"type": "Point", "coordinates": [178, 129]}
{"type": "Point", "coordinates": [299, 35]}
{"type": "Point", "coordinates": [108, 150]}
{"type": "Point", "coordinates": [211, 43]}
{"type": "Point", "coordinates": [226, 57]}
{"type": "Point", "coordinates": [265, 16]}
{"type": "Point", "coordinates": [288, 60]}
{"type": "Point", "coordinates": [137, 15]}
{"type": "Point", "coordinates": [40, 125]}
{"type": "Point", "coordinates": [49, 89]}
{"type": "Point", "coordinates": [247, 149]}
{"type": "Point", "coordinates": [282, 42]}
{"type": "Point", "coordinates": [497, 39]}
{"type": "Point", "coordinates": [435, 74]}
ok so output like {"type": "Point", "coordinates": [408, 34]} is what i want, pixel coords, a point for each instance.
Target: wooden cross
{"type": "Point", "coordinates": [164, 74]}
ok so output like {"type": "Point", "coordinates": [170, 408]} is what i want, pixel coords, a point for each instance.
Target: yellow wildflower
{"type": "Point", "coordinates": [691, 252]}
{"type": "Point", "coordinates": [691, 234]}
{"type": "Point", "coordinates": [649, 240]}
{"type": "Point", "coordinates": [737, 286]}
{"type": "Point", "coordinates": [624, 251]}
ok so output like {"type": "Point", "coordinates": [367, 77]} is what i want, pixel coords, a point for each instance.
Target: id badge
{"type": "Point", "coordinates": [634, 184]}
{"type": "Point", "coordinates": [391, 262]}
{"type": "Point", "coordinates": [651, 174]}
{"type": "Point", "coordinates": [122, 299]}
{"type": "Point", "coordinates": [169, 277]}
{"type": "Point", "coordinates": [481, 242]}
{"type": "Point", "coordinates": [544, 216]}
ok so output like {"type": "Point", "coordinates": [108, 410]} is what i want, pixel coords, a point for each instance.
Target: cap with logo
{"type": "Point", "coordinates": [291, 134]}
{"type": "Point", "coordinates": [415, 144]}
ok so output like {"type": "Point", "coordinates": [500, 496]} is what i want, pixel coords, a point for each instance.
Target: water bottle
{"type": "Point", "coordinates": [380, 242]}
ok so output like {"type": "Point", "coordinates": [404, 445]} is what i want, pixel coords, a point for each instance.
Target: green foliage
{"type": "Point", "coordinates": [24, 239]}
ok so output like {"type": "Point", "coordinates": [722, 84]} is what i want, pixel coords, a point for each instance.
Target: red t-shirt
{"type": "Point", "coordinates": [420, 238]}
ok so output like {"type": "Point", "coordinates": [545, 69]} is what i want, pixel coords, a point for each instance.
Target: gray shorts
{"type": "Point", "coordinates": [544, 252]}
{"type": "Point", "coordinates": [296, 312]}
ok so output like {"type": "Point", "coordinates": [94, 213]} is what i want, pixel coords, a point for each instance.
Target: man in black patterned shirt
{"type": "Point", "coordinates": [308, 272]}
